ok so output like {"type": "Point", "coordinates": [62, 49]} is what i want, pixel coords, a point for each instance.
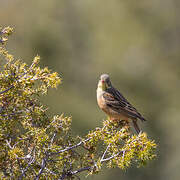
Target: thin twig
{"type": "Point", "coordinates": [80, 170]}
{"type": "Point", "coordinates": [71, 147]}
{"type": "Point", "coordinates": [68, 174]}
{"type": "Point", "coordinates": [111, 157]}
{"type": "Point", "coordinates": [43, 165]}
{"type": "Point", "coordinates": [31, 160]}
{"type": "Point", "coordinates": [51, 172]}
{"type": "Point", "coordinates": [2, 92]}
{"type": "Point", "coordinates": [52, 139]}
{"type": "Point", "coordinates": [11, 114]}
{"type": "Point", "coordinates": [102, 158]}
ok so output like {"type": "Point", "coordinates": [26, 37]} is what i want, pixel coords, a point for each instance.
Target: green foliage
{"type": "Point", "coordinates": [35, 145]}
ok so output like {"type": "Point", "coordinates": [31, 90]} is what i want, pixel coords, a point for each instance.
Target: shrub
{"type": "Point", "coordinates": [36, 145]}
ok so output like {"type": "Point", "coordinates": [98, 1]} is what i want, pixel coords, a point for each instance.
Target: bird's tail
{"type": "Point", "coordinates": [136, 127]}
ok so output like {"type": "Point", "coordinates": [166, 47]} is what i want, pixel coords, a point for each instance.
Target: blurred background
{"type": "Point", "coordinates": [136, 42]}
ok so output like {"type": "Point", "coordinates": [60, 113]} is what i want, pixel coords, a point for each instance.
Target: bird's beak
{"type": "Point", "coordinates": [103, 85]}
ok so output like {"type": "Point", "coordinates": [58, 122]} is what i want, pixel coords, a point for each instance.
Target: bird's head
{"type": "Point", "coordinates": [104, 82]}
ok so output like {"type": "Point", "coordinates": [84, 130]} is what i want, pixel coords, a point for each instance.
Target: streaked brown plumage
{"type": "Point", "coordinates": [113, 103]}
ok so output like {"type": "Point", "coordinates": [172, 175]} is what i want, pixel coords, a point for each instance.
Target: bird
{"type": "Point", "coordinates": [115, 105]}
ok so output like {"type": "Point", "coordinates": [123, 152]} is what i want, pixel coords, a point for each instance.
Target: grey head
{"type": "Point", "coordinates": [104, 78]}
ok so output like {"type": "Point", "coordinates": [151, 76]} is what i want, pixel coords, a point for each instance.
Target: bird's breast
{"type": "Point", "coordinates": [102, 103]}
{"type": "Point", "coordinates": [100, 99]}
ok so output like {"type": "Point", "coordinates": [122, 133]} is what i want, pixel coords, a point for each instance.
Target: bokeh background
{"type": "Point", "coordinates": [136, 42]}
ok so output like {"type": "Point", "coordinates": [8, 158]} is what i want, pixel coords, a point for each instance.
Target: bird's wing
{"type": "Point", "coordinates": [118, 103]}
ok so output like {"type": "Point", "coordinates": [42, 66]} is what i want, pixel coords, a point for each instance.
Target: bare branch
{"type": "Point", "coordinates": [71, 173]}
{"type": "Point", "coordinates": [71, 147]}
{"type": "Point", "coordinates": [81, 170]}
{"type": "Point", "coordinates": [111, 157]}
{"type": "Point", "coordinates": [102, 158]}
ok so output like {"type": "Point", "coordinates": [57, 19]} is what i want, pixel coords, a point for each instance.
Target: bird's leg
{"type": "Point", "coordinates": [136, 127]}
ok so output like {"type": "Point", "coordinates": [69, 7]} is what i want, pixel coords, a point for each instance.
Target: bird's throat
{"type": "Point", "coordinates": [103, 86]}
